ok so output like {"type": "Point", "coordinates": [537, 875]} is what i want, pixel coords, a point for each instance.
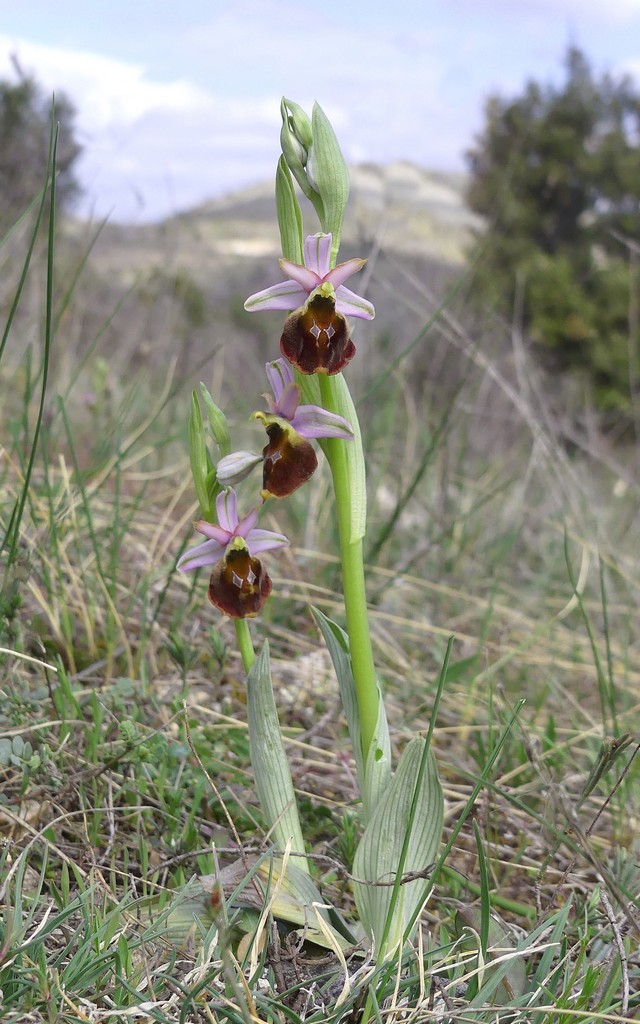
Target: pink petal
{"type": "Point", "coordinates": [350, 304]}
{"type": "Point", "coordinates": [288, 402]}
{"type": "Point", "coordinates": [317, 254]}
{"type": "Point", "coordinates": [203, 554]}
{"type": "Point", "coordinates": [306, 278]}
{"type": "Point", "coordinates": [246, 525]}
{"type": "Point", "coordinates": [313, 421]}
{"type": "Point", "coordinates": [279, 374]}
{"type": "Point", "coordinates": [286, 295]}
{"type": "Point", "coordinates": [343, 271]}
{"type": "Point", "coordinates": [217, 533]}
{"type": "Point", "coordinates": [227, 509]}
{"type": "Point", "coordinates": [265, 540]}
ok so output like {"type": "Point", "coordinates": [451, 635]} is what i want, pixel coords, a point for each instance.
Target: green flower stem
{"type": "Point", "coordinates": [245, 643]}
{"type": "Point", "coordinates": [353, 584]}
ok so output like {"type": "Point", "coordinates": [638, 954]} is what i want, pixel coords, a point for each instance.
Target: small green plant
{"type": "Point", "coordinates": [402, 811]}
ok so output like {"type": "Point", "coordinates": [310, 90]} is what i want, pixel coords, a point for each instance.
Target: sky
{"type": "Point", "coordinates": [179, 102]}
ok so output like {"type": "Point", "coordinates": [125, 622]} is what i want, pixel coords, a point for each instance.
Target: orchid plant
{"type": "Point", "coordinates": [402, 810]}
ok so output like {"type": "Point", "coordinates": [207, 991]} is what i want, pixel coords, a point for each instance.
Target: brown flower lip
{"type": "Point", "coordinates": [289, 461]}
{"type": "Point", "coordinates": [316, 338]}
{"type": "Point", "coordinates": [239, 584]}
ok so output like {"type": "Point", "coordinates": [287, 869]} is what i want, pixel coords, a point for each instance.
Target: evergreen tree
{"type": "Point", "coordinates": [25, 124]}
{"type": "Point", "coordinates": [556, 175]}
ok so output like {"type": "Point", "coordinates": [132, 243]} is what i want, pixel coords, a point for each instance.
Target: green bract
{"type": "Point", "coordinates": [330, 175]}
{"type": "Point", "coordinates": [217, 422]}
{"type": "Point", "coordinates": [289, 215]}
{"type": "Point", "coordinates": [202, 468]}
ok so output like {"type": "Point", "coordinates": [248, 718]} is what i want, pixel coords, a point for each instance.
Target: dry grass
{"type": "Point", "coordinates": [121, 684]}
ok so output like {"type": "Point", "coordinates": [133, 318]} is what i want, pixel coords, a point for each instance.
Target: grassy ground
{"type": "Point", "coordinates": [124, 760]}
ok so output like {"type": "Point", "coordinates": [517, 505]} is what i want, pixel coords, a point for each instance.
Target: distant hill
{"type": "Point", "coordinates": [142, 294]}
{"type": "Point", "coordinates": [398, 206]}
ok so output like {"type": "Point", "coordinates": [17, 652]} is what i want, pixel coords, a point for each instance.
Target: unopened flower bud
{"type": "Point", "coordinates": [295, 141]}
{"type": "Point", "coordinates": [217, 422]}
{"type": "Point", "coordinates": [297, 121]}
{"type": "Point", "coordinates": [236, 467]}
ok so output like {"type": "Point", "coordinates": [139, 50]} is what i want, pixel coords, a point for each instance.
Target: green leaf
{"type": "Point", "coordinates": [498, 985]}
{"type": "Point", "coordinates": [374, 776]}
{"type": "Point", "coordinates": [289, 215]}
{"type": "Point", "coordinates": [377, 771]}
{"type": "Point", "coordinates": [269, 760]}
{"type": "Point", "coordinates": [461, 669]}
{"type": "Point", "coordinates": [299, 902]}
{"type": "Point", "coordinates": [247, 885]}
{"type": "Point", "coordinates": [404, 834]}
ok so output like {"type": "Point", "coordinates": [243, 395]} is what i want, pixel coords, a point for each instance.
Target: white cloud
{"type": "Point", "coordinates": [613, 10]}
{"type": "Point", "coordinates": [147, 144]}
{"type": "Point", "coordinates": [397, 85]}
{"type": "Point", "coordinates": [107, 92]}
{"type": "Point", "coordinates": [176, 143]}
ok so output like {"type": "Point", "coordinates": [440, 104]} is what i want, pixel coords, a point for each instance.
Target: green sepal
{"type": "Point", "coordinates": [269, 761]}
{"type": "Point", "coordinates": [202, 469]}
{"type": "Point", "coordinates": [297, 124]}
{"type": "Point", "coordinates": [404, 834]}
{"type": "Point", "coordinates": [374, 772]}
{"type": "Point", "coordinates": [289, 215]}
{"type": "Point", "coordinates": [330, 175]}
{"type": "Point", "coordinates": [342, 403]}
{"type": "Point", "coordinates": [295, 141]}
{"type": "Point", "coordinates": [217, 422]}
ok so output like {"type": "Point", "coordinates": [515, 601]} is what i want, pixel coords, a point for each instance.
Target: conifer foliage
{"type": "Point", "coordinates": [25, 125]}
{"type": "Point", "coordinates": [556, 175]}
